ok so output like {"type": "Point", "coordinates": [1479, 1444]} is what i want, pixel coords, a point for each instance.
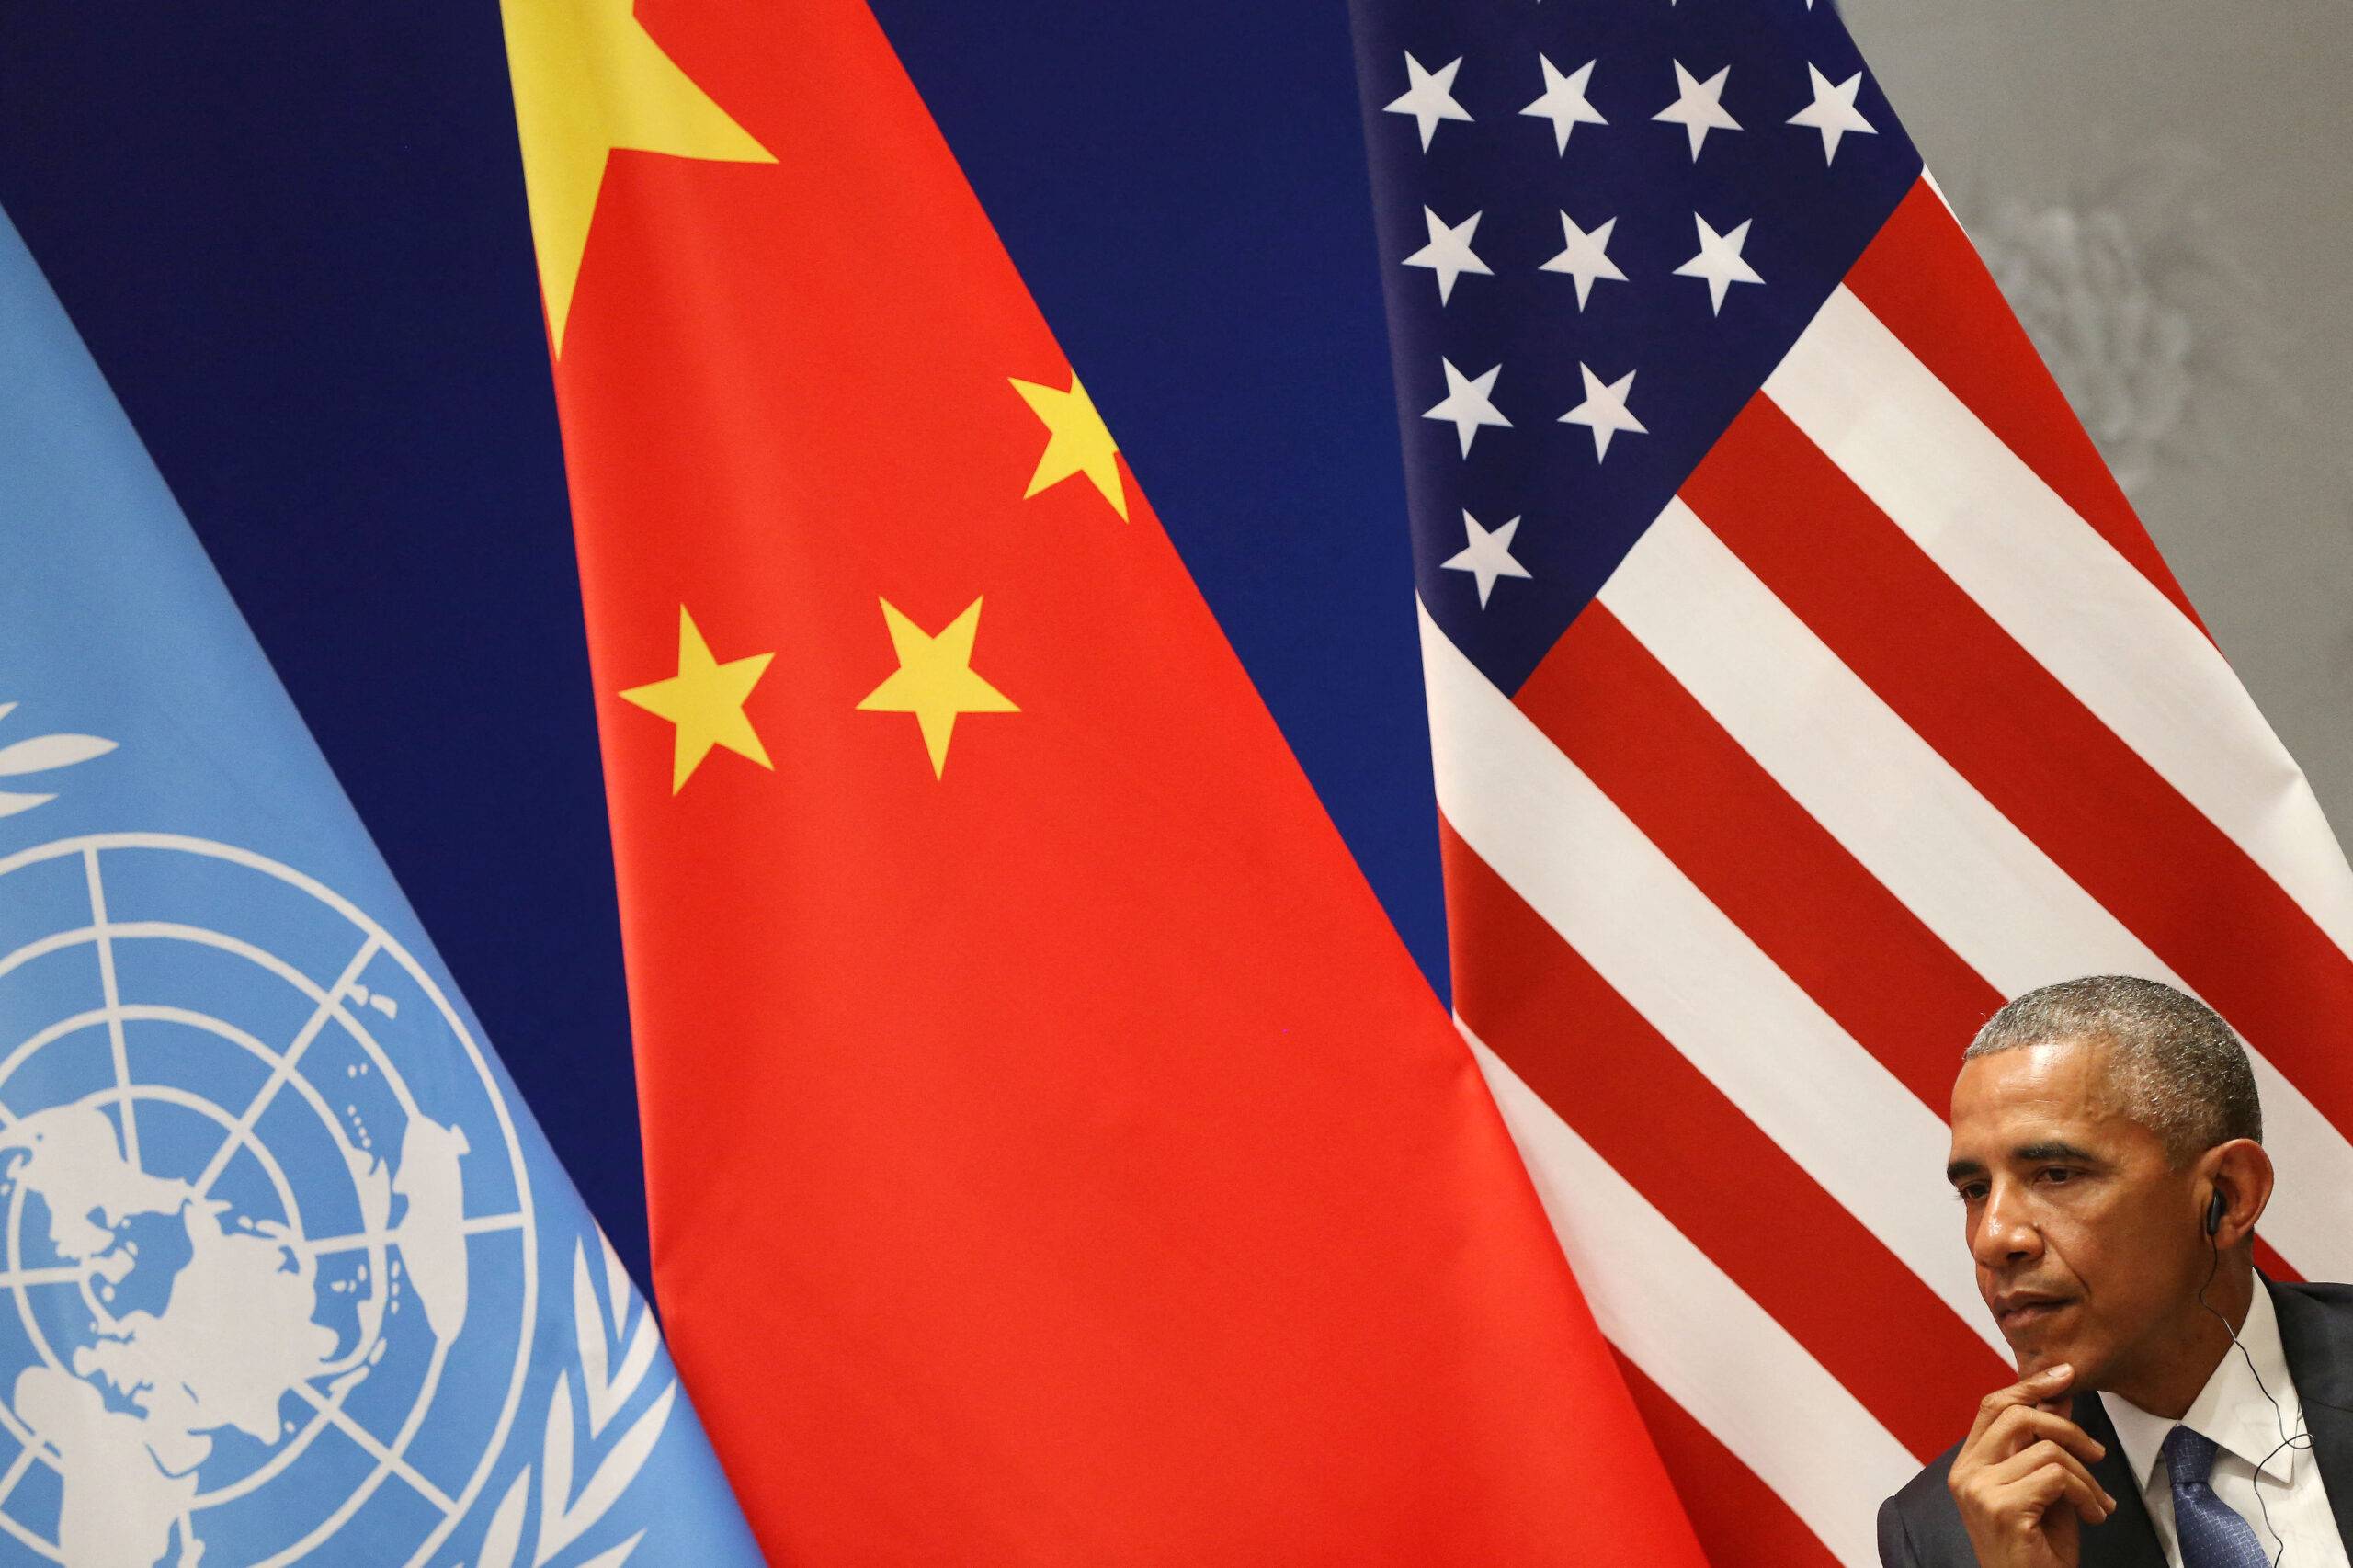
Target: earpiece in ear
{"type": "Point", "coordinates": [2214, 1209]}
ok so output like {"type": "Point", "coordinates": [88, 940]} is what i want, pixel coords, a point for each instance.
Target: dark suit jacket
{"type": "Point", "coordinates": [1920, 1526]}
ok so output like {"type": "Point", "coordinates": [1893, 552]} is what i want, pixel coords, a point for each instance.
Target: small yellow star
{"type": "Point", "coordinates": [1077, 441]}
{"type": "Point", "coordinates": [935, 680]}
{"type": "Point", "coordinates": [588, 79]}
{"type": "Point", "coordinates": [705, 700]}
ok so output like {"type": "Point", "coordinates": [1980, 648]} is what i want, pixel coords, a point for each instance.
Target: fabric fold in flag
{"type": "Point", "coordinates": [1053, 1155]}
{"type": "Point", "coordinates": [1824, 692]}
{"type": "Point", "coordinates": [294, 1275]}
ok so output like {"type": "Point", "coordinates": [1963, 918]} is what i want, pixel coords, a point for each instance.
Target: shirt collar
{"type": "Point", "coordinates": [2231, 1409]}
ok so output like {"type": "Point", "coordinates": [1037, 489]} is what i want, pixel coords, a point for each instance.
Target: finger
{"type": "Point", "coordinates": [2046, 1384]}
{"type": "Point", "coordinates": [2021, 1425]}
{"type": "Point", "coordinates": [2048, 1455]}
{"type": "Point", "coordinates": [2041, 1492]}
{"type": "Point", "coordinates": [2035, 1501]}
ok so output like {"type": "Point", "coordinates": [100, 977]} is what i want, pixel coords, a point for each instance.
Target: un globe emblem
{"type": "Point", "coordinates": [269, 1250]}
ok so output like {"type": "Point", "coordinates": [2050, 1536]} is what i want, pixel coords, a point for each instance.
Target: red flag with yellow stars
{"type": "Point", "coordinates": [1053, 1155]}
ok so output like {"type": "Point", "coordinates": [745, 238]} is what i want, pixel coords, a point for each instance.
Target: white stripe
{"type": "Point", "coordinates": [2085, 613]}
{"type": "Point", "coordinates": [1703, 1339]}
{"type": "Point", "coordinates": [1550, 833]}
{"type": "Point", "coordinates": [1982, 886]}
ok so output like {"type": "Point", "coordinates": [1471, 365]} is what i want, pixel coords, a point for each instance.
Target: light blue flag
{"type": "Point", "coordinates": [290, 1273]}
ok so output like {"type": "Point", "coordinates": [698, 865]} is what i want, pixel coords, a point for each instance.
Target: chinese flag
{"type": "Point", "coordinates": [1053, 1155]}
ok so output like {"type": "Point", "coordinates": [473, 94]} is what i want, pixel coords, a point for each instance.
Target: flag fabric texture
{"type": "Point", "coordinates": [1052, 1154]}
{"type": "Point", "coordinates": [292, 1276]}
{"type": "Point", "coordinates": [1800, 686]}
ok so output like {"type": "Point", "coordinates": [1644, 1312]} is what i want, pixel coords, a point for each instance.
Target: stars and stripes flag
{"type": "Point", "coordinates": [1800, 686]}
{"type": "Point", "coordinates": [1052, 1154]}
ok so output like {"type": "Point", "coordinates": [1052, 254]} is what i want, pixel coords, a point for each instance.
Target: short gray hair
{"type": "Point", "coordinates": [2181, 1072]}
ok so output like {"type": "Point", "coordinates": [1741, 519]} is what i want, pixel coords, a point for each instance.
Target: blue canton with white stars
{"type": "Point", "coordinates": [1602, 224]}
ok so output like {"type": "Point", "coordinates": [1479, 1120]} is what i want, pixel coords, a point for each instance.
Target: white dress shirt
{"type": "Point", "coordinates": [2253, 1472]}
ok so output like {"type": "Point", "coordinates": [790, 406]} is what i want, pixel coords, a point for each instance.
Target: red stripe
{"type": "Point", "coordinates": [1794, 889]}
{"type": "Point", "coordinates": [1923, 279]}
{"type": "Point", "coordinates": [2109, 820]}
{"type": "Point", "coordinates": [1741, 1522]}
{"type": "Point", "coordinates": [1730, 1189]}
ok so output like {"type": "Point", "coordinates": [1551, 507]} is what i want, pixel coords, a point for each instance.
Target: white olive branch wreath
{"type": "Point", "coordinates": [565, 1515]}
{"type": "Point", "coordinates": [38, 754]}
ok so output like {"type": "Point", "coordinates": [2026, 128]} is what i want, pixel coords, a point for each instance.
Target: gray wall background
{"type": "Point", "coordinates": [2162, 186]}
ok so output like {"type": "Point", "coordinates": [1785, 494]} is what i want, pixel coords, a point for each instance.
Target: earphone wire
{"type": "Point", "coordinates": [2300, 1440]}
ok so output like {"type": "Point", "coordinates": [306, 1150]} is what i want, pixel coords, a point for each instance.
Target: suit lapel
{"type": "Point", "coordinates": [2332, 1433]}
{"type": "Point", "coordinates": [2128, 1539]}
{"type": "Point", "coordinates": [2318, 1340]}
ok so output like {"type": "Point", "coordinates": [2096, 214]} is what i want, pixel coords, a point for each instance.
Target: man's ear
{"type": "Point", "coordinates": [2240, 1170]}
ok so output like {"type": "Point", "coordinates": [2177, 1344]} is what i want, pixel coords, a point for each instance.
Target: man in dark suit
{"type": "Point", "coordinates": [2174, 1409]}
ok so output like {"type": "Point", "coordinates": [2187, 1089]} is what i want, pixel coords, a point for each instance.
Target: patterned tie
{"type": "Point", "coordinates": [2211, 1533]}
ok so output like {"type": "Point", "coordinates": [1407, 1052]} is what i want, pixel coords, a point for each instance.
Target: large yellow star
{"type": "Point", "coordinates": [588, 79]}
{"type": "Point", "coordinates": [935, 680]}
{"type": "Point", "coordinates": [1076, 441]}
{"type": "Point", "coordinates": [705, 700]}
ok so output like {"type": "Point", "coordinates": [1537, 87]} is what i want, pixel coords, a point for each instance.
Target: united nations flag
{"type": "Point", "coordinates": [289, 1274]}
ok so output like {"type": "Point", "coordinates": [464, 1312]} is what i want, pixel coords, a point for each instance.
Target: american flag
{"type": "Point", "coordinates": [1800, 686]}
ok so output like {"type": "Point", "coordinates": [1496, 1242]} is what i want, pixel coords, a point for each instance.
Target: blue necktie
{"type": "Point", "coordinates": [2211, 1533]}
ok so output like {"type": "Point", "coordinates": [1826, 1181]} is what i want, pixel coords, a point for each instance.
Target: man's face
{"type": "Point", "coordinates": [2087, 1241]}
